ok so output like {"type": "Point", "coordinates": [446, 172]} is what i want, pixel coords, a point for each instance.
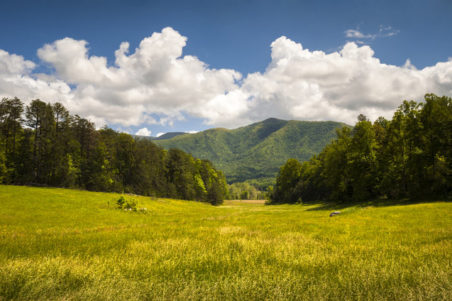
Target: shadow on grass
{"type": "Point", "coordinates": [375, 203]}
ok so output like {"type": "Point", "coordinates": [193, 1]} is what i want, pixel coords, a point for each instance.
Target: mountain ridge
{"type": "Point", "coordinates": [256, 151]}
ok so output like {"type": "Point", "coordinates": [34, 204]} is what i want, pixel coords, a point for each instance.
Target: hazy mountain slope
{"type": "Point", "coordinates": [257, 150]}
{"type": "Point", "coordinates": [168, 135]}
{"type": "Point", "coordinates": [162, 137]}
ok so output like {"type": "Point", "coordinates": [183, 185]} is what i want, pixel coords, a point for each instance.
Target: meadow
{"type": "Point", "coordinates": [65, 244]}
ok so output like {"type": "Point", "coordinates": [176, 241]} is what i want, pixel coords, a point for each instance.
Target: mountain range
{"type": "Point", "coordinates": [255, 152]}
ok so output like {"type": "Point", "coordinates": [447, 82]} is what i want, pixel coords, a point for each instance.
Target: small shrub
{"type": "Point", "coordinates": [125, 204]}
{"type": "Point", "coordinates": [120, 202]}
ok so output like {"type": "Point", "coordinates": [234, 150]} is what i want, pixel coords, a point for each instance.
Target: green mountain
{"type": "Point", "coordinates": [256, 151]}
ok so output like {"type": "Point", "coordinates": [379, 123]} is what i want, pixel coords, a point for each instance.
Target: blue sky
{"type": "Point", "coordinates": [235, 36]}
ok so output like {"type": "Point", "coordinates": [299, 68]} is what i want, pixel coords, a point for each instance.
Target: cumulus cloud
{"type": "Point", "coordinates": [11, 64]}
{"type": "Point", "coordinates": [156, 84]}
{"type": "Point", "coordinates": [16, 79]}
{"type": "Point", "coordinates": [154, 79]}
{"type": "Point", "coordinates": [143, 132]}
{"type": "Point", "coordinates": [314, 85]}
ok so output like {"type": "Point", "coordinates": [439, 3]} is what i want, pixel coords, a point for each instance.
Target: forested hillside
{"type": "Point", "coordinates": [256, 151]}
{"type": "Point", "coordinates": [408, 156]}
{"type": "Point", "coordinates": [42, 144]}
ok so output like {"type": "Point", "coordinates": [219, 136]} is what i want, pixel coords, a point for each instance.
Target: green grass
{"type": "Point", "coordinates": [69, 244]}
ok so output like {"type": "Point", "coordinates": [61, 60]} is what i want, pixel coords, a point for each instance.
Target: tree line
{"type": "Point", "coordinates": [245, 191]}
{"type": "Point", "coordinates": [43, 144]}
{"type": "Point", "coordinates": [408, 156]}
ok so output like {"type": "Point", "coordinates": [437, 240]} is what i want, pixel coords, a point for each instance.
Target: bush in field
{"type": "Point", "coordinates": [125, 204]}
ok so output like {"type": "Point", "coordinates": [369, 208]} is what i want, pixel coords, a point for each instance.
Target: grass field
{"type": "Point", "coordinates": [69, 244]}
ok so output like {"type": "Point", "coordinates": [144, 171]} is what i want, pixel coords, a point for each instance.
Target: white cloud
{"type": "Point", "coordinates": [16, 79]}
{"type": "Point", "coordinates": [383, 32]}
{"type": "Point", "coordinates": [143, 132]}
{"type": "Point", "coordinates": [159, 134]}
{"type": "Point", "coordinates": [11, 64]}
{"type": "Point", "coordinates": [354, 33]}
{"type": "Point", "coordinates": [387, 31]}
{"type": "Point", "coordinates": [157, 79]}
{"type": "Point", "coordinates": [314, 85]}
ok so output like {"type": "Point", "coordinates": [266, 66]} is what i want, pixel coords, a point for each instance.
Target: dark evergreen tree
{"type": "Point", "coordinates": [10, 130]}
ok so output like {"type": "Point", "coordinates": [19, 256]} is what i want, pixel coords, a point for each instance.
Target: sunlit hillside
{"type": "Point", "coordinates": [258, 150]}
